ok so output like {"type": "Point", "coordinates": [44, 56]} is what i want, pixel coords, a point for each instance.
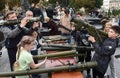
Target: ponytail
{"type": "Point", "coordinates": [18, 51]}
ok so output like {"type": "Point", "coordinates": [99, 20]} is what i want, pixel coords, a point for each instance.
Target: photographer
{"type": "Point", "coordinates": [81, 38]}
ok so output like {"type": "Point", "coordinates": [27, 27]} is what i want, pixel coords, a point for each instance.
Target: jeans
{"type": "Point", "coordinates": [112, 67]}
{"type": "Point", "coordinates": [67, 35]}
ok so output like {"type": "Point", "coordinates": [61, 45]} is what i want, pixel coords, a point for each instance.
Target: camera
{"type": "Point", "coordinates": [84, 37]}
{"type": "Point", "coordinates": [81, 37]}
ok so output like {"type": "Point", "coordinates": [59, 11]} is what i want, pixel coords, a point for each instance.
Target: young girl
{"type": "Point", "coordinates": [24, 57]}
{"type": "Point", "coordinates": [107, 26]}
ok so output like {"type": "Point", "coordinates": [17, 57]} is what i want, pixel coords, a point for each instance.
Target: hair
{"type": "Point", "coordinates": [24, 41]}
{"type": "Point", "coordinates": [8, 13]}
{"type": "Point", "coordinates": [28, 13]}
{"type": "Point", "coordinates": [107, 24]}
{"type": "Point", "coordinates": [67, 12]}
{"type": "Point", "coordinates": [116, 28]}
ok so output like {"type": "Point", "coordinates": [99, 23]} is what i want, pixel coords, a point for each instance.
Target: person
{"type": "Point", "coordinates": [54, 28]}
{"type": "Point", "coordinates": [24, 57]}
{"type": "Point", "coordinates": [107, 26]}
{"type": "Point", "coordinates": [34, 50]}
{"type": "Point", "coordinates": [104, 51]}
{"type": "Point", "coordinates": [112, 66]}
{"type": "Point", "coordinates": [37, 11]}
{"type": "Point", "coordinates": [103, 21]}
{"type": "Point", "coordinates": [65, 20]}
{"type": "Point", "coordinates": [29, 14]}
{"type": "Point", "coordinates": [32, 7]}
{"type": "Point", "coordinates": [10, 32]}
{"type": "Point", "coordinates": [81, 39]}
{"type": "Point", "coordinates": [14, 33]}
{"type": "Point", "coordinates": [50, 11]}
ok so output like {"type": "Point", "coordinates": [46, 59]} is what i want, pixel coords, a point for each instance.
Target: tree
{"type": "Point", "coordinates": [98, 3]}
{"type": "Point", "coordinates": [88, 4]}
{"type": "Point", "coordinates": [109, 13]}
{"type": "Point", "coordinates": [2, 4]}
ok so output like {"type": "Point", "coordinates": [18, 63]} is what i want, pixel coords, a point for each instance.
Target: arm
{"type": "Point", "coordinates": [33, 65]}
{"type": "Point", "coordinates": [11, 33]}
{"type": "Point", "coordinates": [8, 33]}
{"type": "Point", "coordinates": [32, 29]}
{"type": "Point", "coordinates": [104, 49]}
{"type": "Point", "coordinates": [107, 48]}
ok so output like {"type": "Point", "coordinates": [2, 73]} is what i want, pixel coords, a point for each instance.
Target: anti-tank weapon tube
{"type": "Point", "coordinates": [80, 67]}
{"type": "Point", "coordinates": [12, 22]}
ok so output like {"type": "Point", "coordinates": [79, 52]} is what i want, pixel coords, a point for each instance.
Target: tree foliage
{"type": "Point", "coordinates": [2, 4]}
{"type": "Point", "coordinates": [115, 12]}
{"type": "Point", "coordinates": [84, 3]}
{"type": "Point", "coordinates": [98, 3]}
{"type": "Point", "coordinates": [89, 4]}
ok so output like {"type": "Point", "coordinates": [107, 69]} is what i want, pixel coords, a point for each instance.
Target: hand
{"type": "Point", "coordinates": [40, 23]}
{"type": "Point", "coordinates": [35, 25]}
{"type": "Point", "coordinates": [73, 28]}
{"type": "Point", "coordinates": [45, 59]}
{"type": "Point", "coordinates": [24, 21]}
{"type": "Point", "coordinates": [92, 39]}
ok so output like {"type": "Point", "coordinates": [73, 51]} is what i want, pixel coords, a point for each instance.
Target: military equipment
{"type": "Point", "coordinates": [98, 34]}
{"type": "Point", "coordinates": [71, 53]}
{"type": "Point", "coordinates": [12, 22]}
{"type": "Point", "coordinates": [61, 26]}
{"type": "Point", "coordinates": [57, 54]}
{"type": "Point", "coordinates": [54, 38]}
{"type": "Point", "coordinates": [70, 46]}
{"type": "Point", "coordinates": [54, 48]}
{"type": "Point", "coordinates": [79, 67]}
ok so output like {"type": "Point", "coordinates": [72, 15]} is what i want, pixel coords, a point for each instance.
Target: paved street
{"type": "Point", "coordinates": [4, 63]}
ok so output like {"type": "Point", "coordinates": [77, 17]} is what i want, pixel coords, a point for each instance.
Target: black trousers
{"type": "Point", "coordinates": [97, 73]}
{"type": "Point", "coordinates": [12, 56]}
{"type": "Point", "coordinates": [87, 58]}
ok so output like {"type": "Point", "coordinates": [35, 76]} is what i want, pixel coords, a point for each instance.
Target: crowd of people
{"type": "Point", "coordinates": [22, 39]}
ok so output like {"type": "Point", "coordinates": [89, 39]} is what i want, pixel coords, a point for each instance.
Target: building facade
{"type": "Point", "coordinates": [110, 4]}
{"type": "Point", "coordinates": [114, 4]}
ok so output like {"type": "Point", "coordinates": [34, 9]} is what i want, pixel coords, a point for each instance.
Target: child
{"type": "Point", "coordinates": [24, 57]}
{"type": "Point", "coordinates": [36, 46]}
{"type": "Point", "coordinates": [104, 51]}
{"type": "Point", "coordinates": [111, 64]}
{"type": "Point", "coordinates": [107, 26]}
